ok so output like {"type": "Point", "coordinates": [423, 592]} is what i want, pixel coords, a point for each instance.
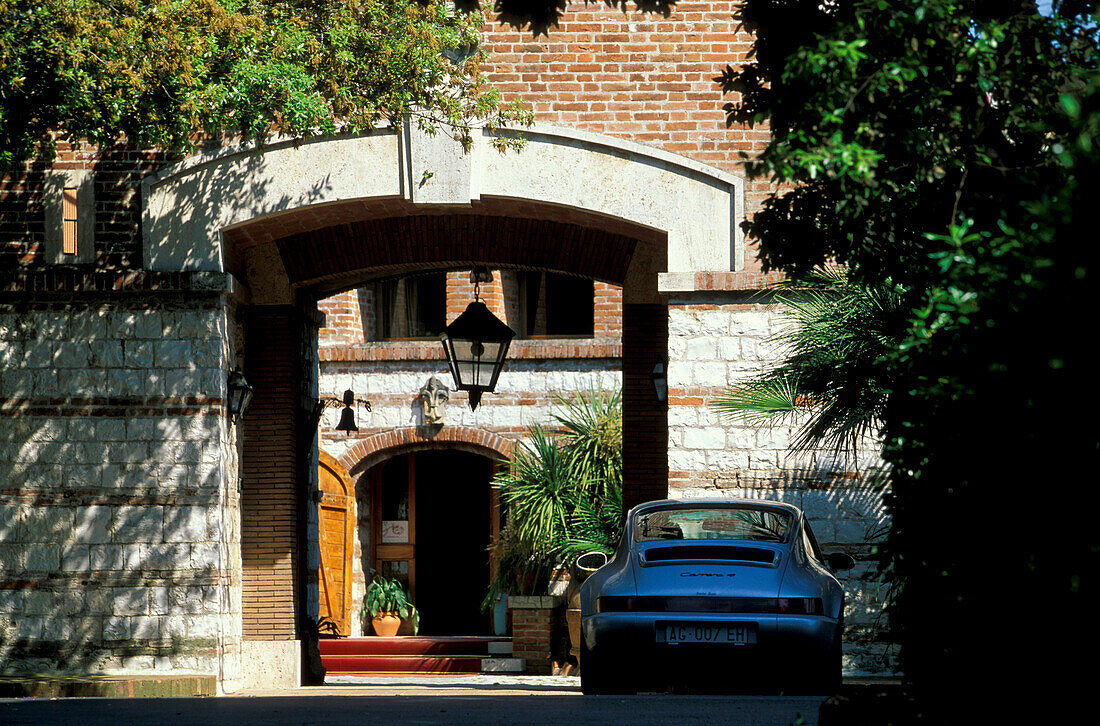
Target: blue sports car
{"type": "Point", "coordinates": [726, 593]}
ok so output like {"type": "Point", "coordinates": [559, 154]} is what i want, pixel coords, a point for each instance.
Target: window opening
{"type": "Point", "coordinates": [557, 306]}
{"type": "Point", "coordinates": [411, 307]}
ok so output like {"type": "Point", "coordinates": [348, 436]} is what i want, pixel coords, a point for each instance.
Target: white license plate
{"type": "Point", "coordinates": [733, 634]}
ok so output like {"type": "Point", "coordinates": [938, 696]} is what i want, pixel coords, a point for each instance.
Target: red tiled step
{"type": "Point", "coordinates": [400, 664]}
{"type": "Point", "coordinates": [453, 646]}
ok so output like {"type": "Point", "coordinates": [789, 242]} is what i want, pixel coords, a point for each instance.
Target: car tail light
{"type": "Point", "coordinates": [616, 604]}
{"type": "Point", "coordinates": [800, 606]}
{"type": "Point", "coordinates": [753, 605]}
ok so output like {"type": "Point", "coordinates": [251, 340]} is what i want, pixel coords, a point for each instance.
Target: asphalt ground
{"type": "Point", "coordinates": [413, 700]}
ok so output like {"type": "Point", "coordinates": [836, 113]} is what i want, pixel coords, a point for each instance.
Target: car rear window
{"type": "Point", "coordinates": [705, 523]}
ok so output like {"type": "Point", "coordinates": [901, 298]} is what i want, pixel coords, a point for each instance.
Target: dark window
{"type": "Point", "coordinates": [557, 306]}
{"type": "Point", "coordinates": [411, 307]}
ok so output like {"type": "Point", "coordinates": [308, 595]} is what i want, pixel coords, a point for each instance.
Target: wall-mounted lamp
{"type": "Point", "coordinates": [659, 377]}
{"type": "Point", "coordinates": [240, 394]}
{"type": "Point", "coordinates": [475, 344]}
{"type": "Point", "coordinates": [347, 415]}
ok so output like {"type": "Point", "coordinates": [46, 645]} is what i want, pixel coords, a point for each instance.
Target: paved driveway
{"type": "Point", "coordinates": [459, 700]}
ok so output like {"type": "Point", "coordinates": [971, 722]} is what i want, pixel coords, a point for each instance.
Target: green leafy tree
{"type": "Point", "coordinates": [944, 147]}
{"type": "Point", "coordinates": [160, 72]}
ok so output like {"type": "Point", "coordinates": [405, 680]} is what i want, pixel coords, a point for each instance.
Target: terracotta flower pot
{"type": "Point", "coordinates": [386, 624]}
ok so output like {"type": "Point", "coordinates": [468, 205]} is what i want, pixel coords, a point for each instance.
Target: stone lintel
{"type": "Point", "coordinates": [533, 602]}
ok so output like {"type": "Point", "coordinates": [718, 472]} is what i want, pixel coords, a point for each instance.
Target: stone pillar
{"type": "Point", "coordinates": [269, 494]}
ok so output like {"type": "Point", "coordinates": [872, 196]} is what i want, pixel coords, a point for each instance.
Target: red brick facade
{"type": "Point", "coordinates": [638, 76]}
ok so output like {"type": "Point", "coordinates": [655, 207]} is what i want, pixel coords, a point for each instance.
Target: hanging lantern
{"type": "Point", "coordinates": [475, 345]}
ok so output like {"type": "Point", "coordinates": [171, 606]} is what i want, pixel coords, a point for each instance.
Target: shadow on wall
{"type": "Point", "coordinates": [847, 512]}
{"type": "Point", "coordinates": [227, 173]}
{"type": "Point", "coordinates": [116, 523]}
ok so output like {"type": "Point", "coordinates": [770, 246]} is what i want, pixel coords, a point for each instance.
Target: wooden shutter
{"type": "Point", "coordinates": [68, 221]}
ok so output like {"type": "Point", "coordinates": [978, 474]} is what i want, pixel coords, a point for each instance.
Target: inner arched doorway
{"type": "Point", "coordinates": [432, 521]}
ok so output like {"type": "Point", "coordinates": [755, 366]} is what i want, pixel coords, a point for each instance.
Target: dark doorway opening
{"type": "Point", "coordinates": [452, 537]}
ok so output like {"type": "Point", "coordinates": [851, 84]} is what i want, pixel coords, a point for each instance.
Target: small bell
{"type": "Point", "coordinates": [347, 421]}
{"type": "Point", "coordinates": [347, 416]}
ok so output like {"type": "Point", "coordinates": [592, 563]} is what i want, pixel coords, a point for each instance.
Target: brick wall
{"type": "Point", "coordinates": [533, 619]}
{"type": "Point", "coordinates": [635, 75]}
{"type": "Point", "coordinates": [117, 183]}
{"type": "Point", "coordinates": [645, 419]}
{"type": "Point", "coordinates": [349, 316]}
{"type": "Point", "coordinates": [269, 492]}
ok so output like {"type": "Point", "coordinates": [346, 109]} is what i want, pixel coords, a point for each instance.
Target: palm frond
{"type": "Point", "coordinates": [832, 374]}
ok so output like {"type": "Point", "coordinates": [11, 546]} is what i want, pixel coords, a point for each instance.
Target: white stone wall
{"type": "Point", "coordinates": [713, 344]}
{"type": "Point", "coordinates": [119, 526]}
{"type": "Point", "coordinates": [525, 395]}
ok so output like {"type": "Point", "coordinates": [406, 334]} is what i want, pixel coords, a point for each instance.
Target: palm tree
{"type": "Point", "coordinates": [562, 493]}
{"type": "Point", "coordinates": [834, 373]}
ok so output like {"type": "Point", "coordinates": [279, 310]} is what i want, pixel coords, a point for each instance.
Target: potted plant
{"type": "Point", "coordinates": [386, 604]}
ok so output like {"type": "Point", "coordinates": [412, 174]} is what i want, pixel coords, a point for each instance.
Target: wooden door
{"type": "Point", "coordinates": [336, 519]}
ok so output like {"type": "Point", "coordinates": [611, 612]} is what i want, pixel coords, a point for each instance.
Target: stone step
{"type": "Point", "coordinates": [502, 665]}
{"type": "Point", "coordinates": [402, 654]}
{"type": "Point", "coordinates": [405, 645]}
{"type": "Point", "coordinates": [366, 664]}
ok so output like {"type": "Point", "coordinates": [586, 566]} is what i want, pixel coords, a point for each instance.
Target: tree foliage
{"type": "Point", "coordinates": [947, 147]}
{"type": "Point", "coordinates": [158, 72]}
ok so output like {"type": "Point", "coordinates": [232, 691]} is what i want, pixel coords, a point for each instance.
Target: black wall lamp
{"type": "Point", "coordinates": [239, 393]}
{"type": "Point", "coordinates": [659, 377]}
{"type": "Point", "coordinates": [475, 344]}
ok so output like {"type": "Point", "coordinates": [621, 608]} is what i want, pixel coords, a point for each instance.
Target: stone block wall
{"type": "Point", "coordinates": [716, 339]}
{"type": "Point", "coordinates": [119, 522]}
{"type": "Point", "coordinates": [526, 391]}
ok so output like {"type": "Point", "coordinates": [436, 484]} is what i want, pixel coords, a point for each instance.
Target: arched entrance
{"type": "Point", "coordinates": [297, 222]}
{"type": "Point", "coordinates": [431, 525]}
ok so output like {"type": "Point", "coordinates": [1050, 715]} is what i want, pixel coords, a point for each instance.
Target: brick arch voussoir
{"type": "Point", "coordinates": [379, 447]}
{"type": "Point", "coordinates": [342, 255]}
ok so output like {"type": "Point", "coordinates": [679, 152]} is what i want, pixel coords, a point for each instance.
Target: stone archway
{"type": "Point", "coordinates": [302, 220]}
{"type": "Point", "coordinates": [223, 210]}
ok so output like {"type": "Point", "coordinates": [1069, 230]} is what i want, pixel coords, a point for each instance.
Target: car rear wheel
{"type": "Point", "coordinates": [827, 678]}
{"type": "Point", "coordinates": [597, 675]}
